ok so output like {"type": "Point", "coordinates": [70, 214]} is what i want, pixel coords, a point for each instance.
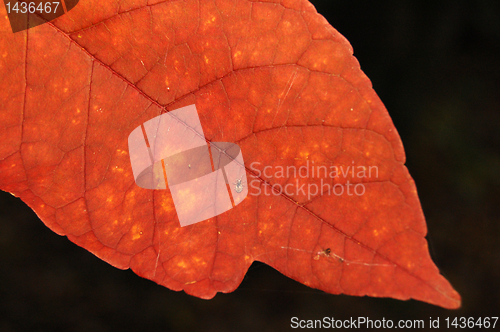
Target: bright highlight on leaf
{"type": "Point", "coordinates": [272, 77]}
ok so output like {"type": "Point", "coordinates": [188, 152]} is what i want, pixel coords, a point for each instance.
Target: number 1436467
{"type": "Point", "coordinates": [471, 322]}
{"type": "Point", "coordinates": [31, 7]}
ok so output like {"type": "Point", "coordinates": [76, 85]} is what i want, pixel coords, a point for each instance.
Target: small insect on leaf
{"type": "Point", "coordinates": [238, 186]}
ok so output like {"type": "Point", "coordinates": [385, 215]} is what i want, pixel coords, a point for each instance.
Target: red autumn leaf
{"type": "Point", "coordinates": [273, 77]}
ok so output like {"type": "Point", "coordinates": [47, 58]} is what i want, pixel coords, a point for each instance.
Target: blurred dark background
{"type": "Point", "coordinates": [436, 66]}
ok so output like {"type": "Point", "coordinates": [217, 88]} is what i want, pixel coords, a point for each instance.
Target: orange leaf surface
{"type": "Point", "coordinates": [273, 77]}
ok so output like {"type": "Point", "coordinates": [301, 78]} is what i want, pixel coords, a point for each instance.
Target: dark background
{"type": "Point", "coordinates": [435, 65]}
